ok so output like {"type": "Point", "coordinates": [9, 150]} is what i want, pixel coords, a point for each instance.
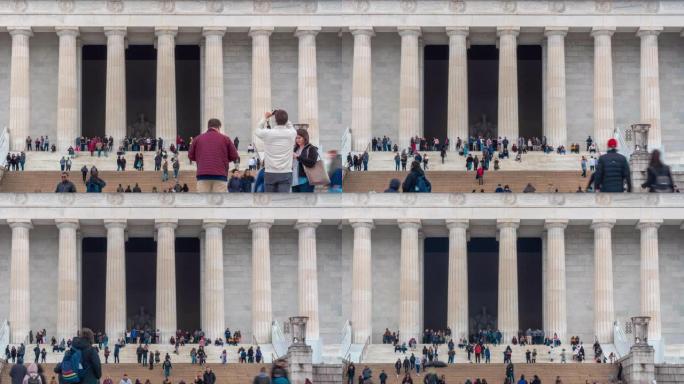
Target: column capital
{"type": "Point", "coordinates": [67, 223]}
{"type": "Point", "coordinates": [649, 223]}
{"type": "Point", "coordinates": [307, 223]}
{"type": "Point", "coordinates": [501, 31]}
{"type": "Point", "coordinates": [115, 31]}
{"type": "Point", "coordinates": [409, 31]}
{"type": "Point", "coordinates": [115, 223]}
{"type": "Point", "coordinates": [166, 223]}
{"type": "Point", "coordinates": [408, 223]}
{"type": "Point", "coordinates": [649, 31]}
{"type": "Point", "coordinates": [556, 223]}
{"type": "Point", "coordinates": [67, 31]}
{"type": "Point", "coordinates": [602, 223]}
{"type": "Point", "coordinates": [25, 31]}
{"type": "Point", "coordinates": [508, 223]}
{"type": "Point", "coordinates": [361, 223]}
{"type": "Point", "coordinates": [457, 31]}
{"type": "Point", "coordinates": [457, 223]}
{"type": "Point", "coordinates": [555, 31]}
{"type": "Point", "coordinates": [260, 31]}
{"type": "Point", "coordinates": [368, 31]}
{"type": "Point", "coordinates": [602, 31]}
{"type": "Point", "coordinates": [213, 223]}
{"type": "Point", "coordinates": [260, 223]}
{"type": "Point", "coordinates": [307, 31]}
{"type": "Point", "coordinates": [19, 223]}
{"type": "Point", "coordinates": [165, 31]}
{"type": "Point", "coordinates": [213, 31]}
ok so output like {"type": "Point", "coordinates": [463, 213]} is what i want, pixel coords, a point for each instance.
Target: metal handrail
{"type": "Point", "coordinates": [364, 351]}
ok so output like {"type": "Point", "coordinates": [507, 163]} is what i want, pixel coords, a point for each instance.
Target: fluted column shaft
{"type": "Point", "coordinates": [262, 313]}
{"type": "Point", "coordinates": [20, 88]}
{"type": "Point", "coordinates": [307, 85]}
{"type": "Point", "coordinates": [362, 89]}
{"type": "Point", "coordinates": [115, 296]}
{"type": "Point", "coordinates": [409, 282]}
{"type": "Point", "coordinates": [67, 279]}
{"type": "Point", "coordinates": [20, 284]}
{"type": "Point", "coordinates": [508, 278]}
{"type": "Point", "coordinates": [261, 77]}
{"type": "Point", "coordinates": [308, 276]}
{"type": "Point", "coordinates": [362, 283]}
{"type": "Point", "coordinates": [457, 305]}
{"type": "Point", "coordinates": [604, 312]}
{"type": "Point", "coordinates": [650, 276]}
{"type": "Point", "coordinates": [166, 85]}
{"type": "Point", "coordinates": [555, 315]}
{"type": "Point", "coordinates": [166, 278]}
{"type": "Point", "coordinates": [213, 306]}
{"type": "Point", "coordinates": [457, 118]}
{"type": "Point", "coordinates": [67, 89]}
{"type": "Point", "coordinates": [650, 85]}
{"type": "Point", "coordinates": [508, 83]}
{"type": "Point", "coordinates": [604, 115]}
{"type": "Point", "coordinates": [213, 73]}
{"type": "Point", "coordinates": [115, 108]}
{"type": "Point", "coordinates": [556, 130]}
{"type": "Point", "coordinates": [409, 86]}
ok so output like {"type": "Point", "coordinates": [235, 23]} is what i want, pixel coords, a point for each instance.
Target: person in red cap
{"type": "Point", "coordinates": [612, 171]}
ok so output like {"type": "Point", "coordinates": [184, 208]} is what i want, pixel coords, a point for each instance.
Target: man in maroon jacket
{"type": "Point", "coordinates": [213, 151]}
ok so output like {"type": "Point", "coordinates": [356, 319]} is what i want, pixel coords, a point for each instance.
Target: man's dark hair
{"type": "Point", "coordinates": [214, 123]}
{"type": "Point", "coordinates": [280, 117]}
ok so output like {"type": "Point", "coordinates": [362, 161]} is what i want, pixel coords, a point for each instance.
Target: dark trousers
{"type": "Point", "coordinates": [278, 182]}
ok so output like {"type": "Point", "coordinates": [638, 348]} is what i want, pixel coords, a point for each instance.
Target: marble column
{"type": "Point", "coordinates": [213, 74]}
{"type": "Point", "coordinates": [166, 85]}
{"type": "Point", "coordinates": [261, 77]}
{"type": "Point", "coordinates": [67, 89]}
{"type": "Point", "coordinates": [508, 84]}
{"type": "Point", "coordinates": [457, 307]}
{"type": "Point", "coordinates": [115, 104]}
{"type": "Point", "coordinates": [20, 88]}
{"type": "Point", "coordinates": [203, 282]}
{"type": "Point", "coordinates": [650, 85]}
{"type": "Point", "coordinates": [213, 305]}
{"type": "Point", "coordinates": [556, 130]}
{"type": "Point", "coordinates": [262, 314]}
{"type": "Point", "coordinates": [20, 284]}
{"type": "Point", "coordinates": [362, 89]}
{"type": "Point", "coordinates": [650, 276]}
{"type": "Point", "coordinates": [508, 278]}
{"type": "Point", "coordinates": [604, 313]}
{"type": "Point", "coordinates": [166, 314]}
{"type": "Point", "coordinates": [604, 115]}
{"type": "Point", "coordinates": [409, 280]}
{"type": "Point", "coordinates": [67, 279]}
{"type": "Point", "coordinates": [307, 85]}
{"type": "Point", "coordinates": [115, 296]}
{"type": "Point", "coordinates": [308, 276]}
{"type": "Point", "coordinates": [555, 305]}
{"type": "Point", "coordinates": [362, 283]}
{"type": "Point", "coordinates": [457, 118]}
{"type": "Point", "coordinates": [409, 86]}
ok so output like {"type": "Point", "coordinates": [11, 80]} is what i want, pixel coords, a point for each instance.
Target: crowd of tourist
{"type": "Point", "coordinates": [15, 161]}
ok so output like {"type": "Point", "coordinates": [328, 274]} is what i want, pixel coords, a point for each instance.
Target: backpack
{"type": "Point", "coordinates": [73, 370]}
{"type": "Point", "coordinates": [422, 184]}
{"type": "Point", "coordinates": [34, 379]}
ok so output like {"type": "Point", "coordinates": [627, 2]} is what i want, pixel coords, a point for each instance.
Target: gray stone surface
{"type": "Point", "coordinates": [44, 67]}
{"type": "Point", "coordinates": [579, 67]}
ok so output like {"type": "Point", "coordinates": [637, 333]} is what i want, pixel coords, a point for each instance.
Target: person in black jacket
{"type": "Point", "coordinates": [412, 180]}
{"type": "Point", "coordinates": [89, 358]}
{"type": "Point", "coordinates": [612, 171]}
{"type": "Point", "coordinates": [659, 175]}
{"type": "Point", "coordinates": [305, 155]}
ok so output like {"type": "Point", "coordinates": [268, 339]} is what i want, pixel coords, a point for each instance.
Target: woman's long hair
{"type": "Point", "coordinates": [655, 160]}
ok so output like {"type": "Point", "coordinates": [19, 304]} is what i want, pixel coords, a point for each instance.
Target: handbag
{"type": "Point", "coordinates": [317, 174]}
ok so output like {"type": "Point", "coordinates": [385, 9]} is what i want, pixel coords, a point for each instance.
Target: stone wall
{"type": "Point", "coordinates": [669, 373]}
{"type": "Point", "coordinates": [328, 373]}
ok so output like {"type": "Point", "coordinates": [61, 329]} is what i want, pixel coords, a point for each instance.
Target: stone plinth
{"type": "Point", "coordinates": [299, 358]}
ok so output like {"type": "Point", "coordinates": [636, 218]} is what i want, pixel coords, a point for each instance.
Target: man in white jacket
{"type": "Point", "coordinates": [278, 151]}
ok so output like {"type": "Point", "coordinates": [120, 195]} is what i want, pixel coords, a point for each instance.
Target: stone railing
{"type": "Point", "coordinates": [377, 206]}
